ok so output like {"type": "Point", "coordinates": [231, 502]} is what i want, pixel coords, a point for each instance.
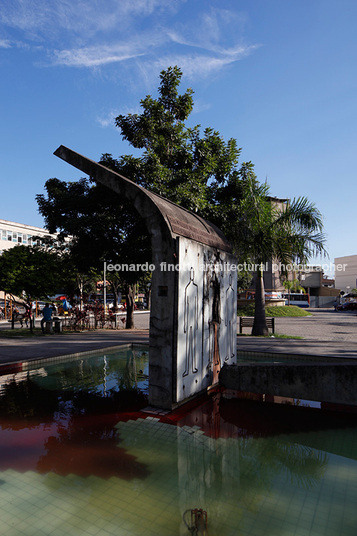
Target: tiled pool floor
{"type": "Point", "coordinates": [78, 469]}
{"type": "Point", "coordinates": [248, 486]}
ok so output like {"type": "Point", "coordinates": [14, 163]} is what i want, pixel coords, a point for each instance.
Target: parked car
{"type": "Point", "coordinates": [347, 306]}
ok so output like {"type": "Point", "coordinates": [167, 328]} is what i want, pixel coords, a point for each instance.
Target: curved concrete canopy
{"type": "Point", "coordinates": [179, 221]}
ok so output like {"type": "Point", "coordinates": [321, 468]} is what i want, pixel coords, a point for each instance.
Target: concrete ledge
{"type": "Point", "coordinates": [325, 382]}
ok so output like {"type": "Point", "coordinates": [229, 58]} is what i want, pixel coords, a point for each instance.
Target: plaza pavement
{"type": "Point", "coordinates": [325, 333]}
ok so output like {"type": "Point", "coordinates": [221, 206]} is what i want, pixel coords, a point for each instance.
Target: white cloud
{"type": "Point", "coordinates": [108, 118]}
{"type": "Point", "coordinates": [193, 66]}
{"type": "Point", "coordinates": [116, 51]}
{"type": "Point", "coordinates": [212, 28]}
{"type": "Point", "coordinates": [5, 43]}
{"type": "Point", "coordinates": [94, 56]}
{"type": "Point", "coordinates": [93, 33]}
{"type": "Point", "coordinates": [83, 18]}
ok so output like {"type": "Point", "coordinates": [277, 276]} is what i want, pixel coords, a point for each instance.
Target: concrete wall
{"type": "Point", "coordinates": [206, 316]}
{"type": "Point", "coordinates": [322, 301]}
{"type": "Point", "coordinates": [331, 382]}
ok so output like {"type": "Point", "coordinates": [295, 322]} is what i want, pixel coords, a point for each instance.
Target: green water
{"type": "Point", "coordinates": [78, 457]}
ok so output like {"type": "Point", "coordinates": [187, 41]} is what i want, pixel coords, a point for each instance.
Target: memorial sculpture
{"type": "Point", "coordinates": [194, 288]}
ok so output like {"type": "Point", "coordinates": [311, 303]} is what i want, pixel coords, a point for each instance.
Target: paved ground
{"type": "Point", "coordinates": [326, 333]}
{"type": "Point", "coordinates": [324, 325]}
{"type": "Point", "coordinates": [24, 349]}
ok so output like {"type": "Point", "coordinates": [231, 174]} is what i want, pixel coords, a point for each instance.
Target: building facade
{"type": "Point", "coordinates": [346, 272]}
{"type": "Point", "coordinates": [12, 234]}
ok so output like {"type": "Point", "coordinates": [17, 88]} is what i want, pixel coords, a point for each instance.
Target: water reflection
{"type": "Point", "coordinates": [61, 417]}
{"type": "Point", "coordinates": [232, 419]}
{"type": "Point", "coordinates": [246, 464]}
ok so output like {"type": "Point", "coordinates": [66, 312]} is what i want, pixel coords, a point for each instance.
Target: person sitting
{"type": "Point", "coordinates": [46, 316]}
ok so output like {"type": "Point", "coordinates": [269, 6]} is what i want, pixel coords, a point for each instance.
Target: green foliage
{"type": "Point", "coordinates": [272, 310]}
{"type": "Point", "coordinates": [286, 310]}
{"type": "Point", "coordinates": [293, 286]}
{"type": "Point", "coordinates": [260, 229]}
{"type": "Point", "coordinates": [101, 227]}
{"type": "Point", "coordinates": [32, 270]}
{"type": "Point", "coordinates": [99, 222]}
{"type": "Point", "coordinates": [178, 162]}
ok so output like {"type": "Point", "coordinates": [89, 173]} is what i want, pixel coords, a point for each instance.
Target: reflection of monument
{"type": "Point", "coordinates": [191, 323]}
{"type": "Point", "coordinates": [228, 317]}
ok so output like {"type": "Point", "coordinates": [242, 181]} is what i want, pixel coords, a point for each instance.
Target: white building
{"type": "Point", "coordinates": [346, 277]}
{"type": "Point", "coordinates": [12, 233]}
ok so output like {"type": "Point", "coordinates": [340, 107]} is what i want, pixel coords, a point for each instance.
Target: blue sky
{"type": "Point", "coordinates": [277, 75]}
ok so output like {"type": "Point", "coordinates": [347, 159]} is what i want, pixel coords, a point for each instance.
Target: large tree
{"type": "Point", "coordinates": [178, 162]}
{"type": "Point", "coordinates": [101, 228]}
{"type": "Point", "coordinates": [31, 273]}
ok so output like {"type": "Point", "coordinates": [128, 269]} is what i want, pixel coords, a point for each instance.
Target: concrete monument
{"type": "Point", "coordinates": [194, 287]}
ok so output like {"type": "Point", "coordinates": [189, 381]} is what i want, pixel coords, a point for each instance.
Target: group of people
{"type": "Point", "coordinates": [50, 310]}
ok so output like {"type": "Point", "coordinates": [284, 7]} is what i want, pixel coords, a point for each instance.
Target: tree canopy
{"type": "Point", "coordinates": [29, 270]}
{"type": "Point", "coordinates": [101, 227]}
{"type": "Point", "coordinates": [178, 162]}
{"type": "Point", "coordinates": [30, 273]}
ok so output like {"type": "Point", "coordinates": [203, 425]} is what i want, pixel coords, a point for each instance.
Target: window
{"type": "Point", "coordinates": [9, 236]}
{"type": "Point", "coordinates": [19, 238]}
{"type": "Point", "coordinates": [14, 237]}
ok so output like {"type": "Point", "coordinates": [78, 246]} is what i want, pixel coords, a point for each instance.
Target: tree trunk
{"type": "Point", "coordinates": [130, 299]}
{"type": "Point", "coordinates": [148, 297]}
{"type": "Point", "coordinates": [260, 323]}
{"type": "Point", "coordinates": [29, 315]}
{"type": "Point", "coordinates": [114, 287]}
{"type": "Point", "coordinates": [116, 296]}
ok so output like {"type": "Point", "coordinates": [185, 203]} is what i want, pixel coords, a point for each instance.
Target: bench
{"type": "Point", "coordinates": [248, 321]}
{"type": "Point", "coordinates": [53, 325]}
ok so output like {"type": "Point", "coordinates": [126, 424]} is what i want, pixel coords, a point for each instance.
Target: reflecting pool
{"type": "Point", "coordinates": [80, 454]}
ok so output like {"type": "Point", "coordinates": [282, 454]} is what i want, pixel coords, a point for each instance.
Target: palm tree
{"type": "Point", "coordinates": [266, 231]}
